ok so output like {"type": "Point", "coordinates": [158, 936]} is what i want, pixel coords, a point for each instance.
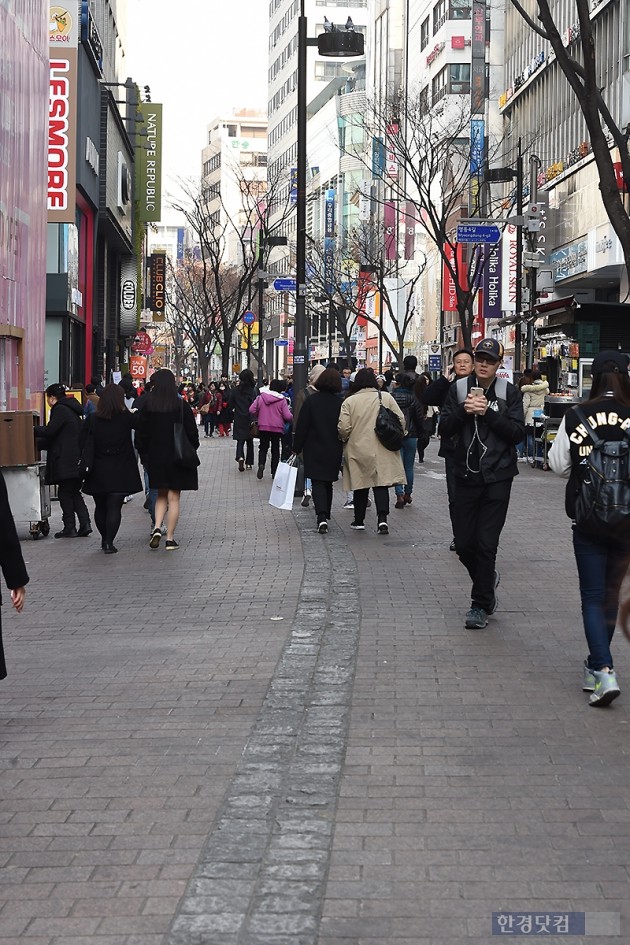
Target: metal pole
{"type": "Point", "coordinates": [381, 308]}
{"type": "Point", "coordinates": [532, 276]}
{"type": "Point", "coordinates": [331, 328]}
{"type": "Point", "coordinates": [519, 258]}
{"type": "Point", "coordinates": [300, 340]}
{"type": "Point", "coordinates": [261, 306]}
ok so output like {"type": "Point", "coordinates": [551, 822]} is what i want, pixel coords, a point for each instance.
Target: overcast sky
{"type": "Point", "coordinates": [201, 58]}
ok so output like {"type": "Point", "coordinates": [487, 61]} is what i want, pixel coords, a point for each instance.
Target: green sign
{"type": "Point", "coordinates": [149, 163]}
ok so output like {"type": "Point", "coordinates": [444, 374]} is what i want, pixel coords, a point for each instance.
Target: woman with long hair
{"type": "Point", "coordinates": [367, 463]}
{"type": "Point", "coordinates": [601, 558]}
{"type": "Point", "coordinates": [113, 473]}
{"type": "Point", "coordinates": [155, 440]}
{"type": "Point", "coordinates": [240, 400]}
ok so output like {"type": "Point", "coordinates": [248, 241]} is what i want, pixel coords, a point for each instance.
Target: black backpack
{"type": "Point", "coordinates": [602, 505]}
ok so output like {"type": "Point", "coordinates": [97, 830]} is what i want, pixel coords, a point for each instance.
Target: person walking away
{"type": "Point", "coordinates": [155, 441]}
{"type": "Point", "coordinates": [317, 439]}
{"type": "Point", "coordinates": [366, 462]}
{"type": "Point", "coordinates": [214, 401]}
{"type": "Point", "coordinates": [316, 371]}
{"type": "Point", "coordinates": [224, 411]}
{"type": "Point", "coordinates": [434, 396]}
{"type": "Point", "coordinates": [486, 416]}
{"type": "Point", "coordinates": [413, 412]}
{"type": "Point", "coordinates": [114, 471]}
{"type": "Point", "coordinates": [91, 400]}
{"type": "Point", "coordinates": [240, 400]}
{"type": "Point", "coordinates": [272, 411]}
{"type": "Point", "coordinates": [533, 399]}
{"type": "Point", "coordinates": [12, 563]}
{"type": "Point", "coordinates": [60, 439]}
{"type": "Point", "coordinates": [601, 556]}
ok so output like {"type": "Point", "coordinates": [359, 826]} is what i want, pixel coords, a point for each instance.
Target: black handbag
{"type": "Point", "coordinates": [185, 452]}
{"type": "Point", "coordinates": [388, 428]}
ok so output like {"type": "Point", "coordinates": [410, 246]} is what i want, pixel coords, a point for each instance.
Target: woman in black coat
{"type": "Point", "coordinates": [240, 400]}
{"type": "Point", "coordinates": [155, 442]}
{"type": "Point", "coordinates": [106, 438]}
{"type": "Point", "coordinates": [11, 562]}
{"type": "Point", "coordinates": [316, 438]}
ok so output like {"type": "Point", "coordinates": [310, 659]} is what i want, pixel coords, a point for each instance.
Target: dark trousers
{"type": "Point", "coordinates": [108, 513]}
{"type": "Point", "coordinates": [601, 568]}
{"type": "Point", "coordinates": [480, 511]}
{"type": "Point", "coordinates": [381, 501]}
{"type": "Point", "coordinates": [72, 503]}
{"type": "Point", "coordinates": [265, 440]}
{"type": "Point", "coordinates": [245, 450]}
{"type": "Point", "coordinates": [449, 468]}
{"type": "Point", "coordinates": [322, 499]}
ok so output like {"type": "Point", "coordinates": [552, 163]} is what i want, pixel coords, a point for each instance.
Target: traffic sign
{"type": "Point", "coordinates": [284, 285]}
{"type": "Point", "coordinates": [478, 233]}
{"type": "Point", "coordinates": [249, 318]}
{"type": "Point", "coordinates": [435, 362]}
{"type": "Point", "coordinates": [280, 342]}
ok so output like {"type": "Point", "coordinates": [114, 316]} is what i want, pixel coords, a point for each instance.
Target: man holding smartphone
{"type": "Point", "coordinates": [485, 416]}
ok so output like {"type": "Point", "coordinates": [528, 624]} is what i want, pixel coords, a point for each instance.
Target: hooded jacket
{"type": "Point", "coordinates": [272, 411]}
{"type": "Point", "coordinates": [60, 439]}
{"type": "Point", "coordinates": [533, 399]}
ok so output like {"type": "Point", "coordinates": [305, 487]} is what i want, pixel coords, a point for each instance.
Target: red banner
{"type": "Point", "coordinates": [456, 258]}
{"type": "Point", "coordinates": [391, 230]}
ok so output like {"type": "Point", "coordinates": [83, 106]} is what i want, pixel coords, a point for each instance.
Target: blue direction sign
{"type": "Point", "coordinates": [435, 362]}
{"type": "Point", "coordinates": [478, 233]}
{"type": "Point", "coordinates": [249, 318]}
{"type": "Point", "coordinates": [284, 285]}
{"type": "Point", "coordinates": [280, 342]}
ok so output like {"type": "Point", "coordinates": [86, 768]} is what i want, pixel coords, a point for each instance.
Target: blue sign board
{"type": "Point", "coordinates": [284, 285]}
{"type": "Point", "coordinates": [249, 318]}
{"type": "Point", "coordinates": [478, 233]}
{"type": "Point", "coordinates": [280, 342]}
{"type": "Point", "coordinates": [435, 362]}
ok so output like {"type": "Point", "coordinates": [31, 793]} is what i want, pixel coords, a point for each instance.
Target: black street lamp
{"type": "Point", "coordinates": [343, 44]}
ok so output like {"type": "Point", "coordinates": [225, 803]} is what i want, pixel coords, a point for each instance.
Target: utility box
{"type": "Point", "coordinates": [17, 440]}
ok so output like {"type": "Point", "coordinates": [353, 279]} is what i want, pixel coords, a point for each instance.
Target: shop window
{"type": "Point", "coordinates": [459, 78]}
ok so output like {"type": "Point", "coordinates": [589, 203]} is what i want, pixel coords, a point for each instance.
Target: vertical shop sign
{"type": "Point", "coordinates": [390, 213]}
{"type": "Point", "coordinates": [391, 156]}
{"type": "Point", "coordinates": [149, 164]}
{"type": "Point", "coordinates": [491, 282]}
{"type": "Point", "coordinates": [329, 240]}
{"type": "Point", "coordinates": [157, 274]}
{"type": "Point", "coordinates": [478, 58]}
{"type": "Point", "coordinates": [508, 268]}
{"type": "Point", "coordinates": [410, 218]}
{"type": "Point", "coordinates": [63, 30]}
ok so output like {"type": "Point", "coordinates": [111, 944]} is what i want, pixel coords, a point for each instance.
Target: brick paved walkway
{"type": "Point", "coordinates": [177, 768]}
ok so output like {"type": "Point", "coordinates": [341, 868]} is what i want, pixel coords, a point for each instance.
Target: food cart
{"type": "Point", "coordinates": [547, 425]}
{"type": "Point", "coordinates": [24, 473]}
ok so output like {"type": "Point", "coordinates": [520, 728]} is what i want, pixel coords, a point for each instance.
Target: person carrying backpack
{"type": "Point", "coordinates": [484, 414]}
{"type": "Point", "coordinates": [592, 450]}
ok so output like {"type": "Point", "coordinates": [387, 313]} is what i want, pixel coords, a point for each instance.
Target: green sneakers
{"type": "Point", "coordinates": [606, 688]}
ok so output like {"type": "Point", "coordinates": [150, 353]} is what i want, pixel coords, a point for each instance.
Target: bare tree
{"type": "Point", "coordinates": [584, 77]}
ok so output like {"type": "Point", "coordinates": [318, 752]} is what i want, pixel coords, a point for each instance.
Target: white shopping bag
{"type": "Point", "coordinates": [283, 486]}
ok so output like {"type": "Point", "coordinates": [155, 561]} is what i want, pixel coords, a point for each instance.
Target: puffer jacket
{"type": "Point", "coordinates": [533, 399]}
{"type": "Point", "coordinates": [413, 411]}
{"type": "Point", "coordinates": [272, 410]}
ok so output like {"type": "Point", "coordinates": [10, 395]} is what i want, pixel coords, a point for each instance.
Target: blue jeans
{"type": "Point", "coordinates": [601, 568]}
{"type": "Point", "coordinates": [150, 493]}
{"type": "Point", "coordinates": [408, 455]}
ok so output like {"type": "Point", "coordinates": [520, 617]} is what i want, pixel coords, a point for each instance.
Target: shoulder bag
{"type": "Point", "coordinates": [388, 428]}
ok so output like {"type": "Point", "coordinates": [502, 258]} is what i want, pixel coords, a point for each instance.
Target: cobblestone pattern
{"type": "Point", "coordinates": [261, 878]}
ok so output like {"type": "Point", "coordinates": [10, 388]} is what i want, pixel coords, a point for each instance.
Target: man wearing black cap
{"type": "Point", "coordinates": [485, 415]}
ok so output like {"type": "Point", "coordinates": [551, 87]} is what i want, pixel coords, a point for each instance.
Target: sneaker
{"type": "Point", "coordinates": [322, 528]}
{"type": "Point", "coordinates": [383, 528]}
{"type": "Point", "coordinates": [606, 687]}
{"type": "Point", "coordinates": [248, 466]}
{"type": "Point", "coordinates": [476, 619]}
{"type": "Point", "coordinates": [348, 504]}
{"type": "Point", "coordinates": [306, 499]}
{"type": "Point", "coordinates": [588, 678]}
{"type": "Point", "coordinates": [260, 472]}
{"type": "Point", "coordinates": [127, 498]}
{"type": "Point", "coordinates": [357, 526]}
{"type": "Point", "coordinates": [154, 541]}
{"type": "Point", "coordinates": [171, 544]}
{"type": "Point", "coordinates": [241, 465]}
{"type": "Point", "coordinates": [494, 606]}
{"type": "Point", "coordinates": [452, 547]}
{"type": "Point", "coordinates": [400, 502]}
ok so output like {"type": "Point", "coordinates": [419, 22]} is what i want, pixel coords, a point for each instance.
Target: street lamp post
{"type": "Point", "coordinates": [333, 43]}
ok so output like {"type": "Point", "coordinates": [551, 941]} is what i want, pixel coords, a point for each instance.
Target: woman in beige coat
{"type": "Point", "coordinates": [366, 462]}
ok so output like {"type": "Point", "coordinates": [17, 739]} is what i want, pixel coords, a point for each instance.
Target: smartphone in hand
{"type": "Point", "coordinates": [477, 391]}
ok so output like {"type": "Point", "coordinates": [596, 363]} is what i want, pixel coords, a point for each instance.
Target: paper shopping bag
{"type": "Point", "coordinates": [283, 486]}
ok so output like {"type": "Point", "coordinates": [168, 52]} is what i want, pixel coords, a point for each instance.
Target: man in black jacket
{"type": "Point", "coordinates": [60, 439]}
{"type": "Point", "coordinates": [434, 396]}
{"type": "Point", "coordinates": [485, 415]}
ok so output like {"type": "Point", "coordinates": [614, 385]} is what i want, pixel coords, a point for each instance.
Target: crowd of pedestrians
{"type": "Point", "coordinates": [334, 428]}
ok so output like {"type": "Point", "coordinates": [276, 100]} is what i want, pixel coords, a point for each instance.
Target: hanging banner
{"type": "Point", "coordinates": [455, 255]}
{"type": "Point", "coordinates": [478, 58]}
{"type": "Point", "coordinates": [378, 157]}
{"type": "Point", "coordinates": [491, 282]}
{"type": "Point", "coordinates": [138, 367]}
{"type": "Point", "coordinates": [329, 240]}
{"type": "Point", "coordinates": [391, 156]}
{"type": "Point", "coordinates": [149, 163]}
{"type": "Point", "coordinates": [390, 213]}
{"type": "Point", "coordinates": [477, 154]}
{"type": "Point", "coordinates": [128, 296]}
{"type": "Point", "coordinates": [157, 278]}
{"type": "Point", "coordinates": [63, 30]}
{"type": "Point", "coordinates": [410, 218]}
{"type": "Point", "coordinates": [508, 268]}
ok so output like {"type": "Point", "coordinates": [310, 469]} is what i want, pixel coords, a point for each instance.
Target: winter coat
{"type": "Point", "coordinates": [499, 430]}
{"type": "Point", "coordinates": [60, 439]}
{"type": "Point", "coordinates": [272, 410]}
{"type": "Point", "coordinates": [155, 443]}
{"type": "Point", "coordinates": [90, 405]}
{"type": "Point", "coordinates": [241, 399]}
{"type": "Point", "coordinates": [11, 560]}
{"type": "Point", "coordinates": [115, 467]}
{"type": "Point", "coordinates": [533, 399]}
{"type": "Point", "coordinates": [413, 410]}
{"type": "Point", "coordinates": [316, 436]}
{"type": "Point", "coordinates": [367, 463]}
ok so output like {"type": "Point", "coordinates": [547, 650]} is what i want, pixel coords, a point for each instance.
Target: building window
{"type": "Point", "coordinates": [231, 130]}
{"type": "Point", "coordinates": [438, 85]}
{"type": "Point", "coordinates": [459, 78]}
{"type": "Point", "coordinates": [424, 34]}
{"type": "Point", "coordinates": [440, 15]}
{"type": "Point", "coordinates": [325, 71]}
{"type": "Point", "coordinates": [459, 10]}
